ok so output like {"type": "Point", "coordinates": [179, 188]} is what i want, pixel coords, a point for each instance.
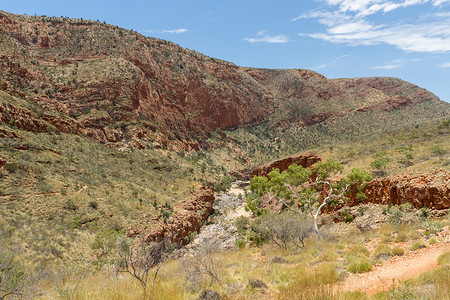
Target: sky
{"type": "Point", "coordinates": [407, 39]}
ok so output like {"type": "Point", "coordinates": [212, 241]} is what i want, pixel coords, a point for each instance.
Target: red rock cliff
{"type": "Point", "coordinates": [304, 160]}
{"type": "Point", "coordinates": [187, 217]}
{"type": "Point", "coordinates": [431, 190]}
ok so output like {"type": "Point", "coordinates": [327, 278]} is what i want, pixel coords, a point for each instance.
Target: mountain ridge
{"type": "Point", "coordinates": [120, 87]}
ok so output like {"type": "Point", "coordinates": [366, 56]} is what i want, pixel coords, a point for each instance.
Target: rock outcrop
{"type": "Point", "coordinates": [187, 217]}
{"type": "Point", "coordinates": [430, 189]}
{"type": "Point", "coordinates": [304, 160]}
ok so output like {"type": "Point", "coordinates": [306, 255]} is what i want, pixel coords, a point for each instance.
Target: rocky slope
{"type": "Point", "coordinates": [188, 216]}
{"type": "Point", "coordinates": [119, 87]}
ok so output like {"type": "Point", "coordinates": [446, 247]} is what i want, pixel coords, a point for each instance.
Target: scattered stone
{"type": "Point", "coordinates": [209, 295]}
{"type": "Point", "coordinates": [279, 260]}
{"type": "Point", "coordinates": [257, 284]}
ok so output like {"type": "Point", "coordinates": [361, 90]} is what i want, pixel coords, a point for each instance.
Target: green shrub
{"type": "Point", "coordinates": [360, 265]}
{"type": "Point", "coordinates": [405, 207]}
{"type": "Point", "coordinates": [436, 150]}
{"type": "Point", "coordinates": [253, 204]}
{"type": "Point", "coordinates": [444, 124]}
{"type": "Point", "coordinates": [241, 224]}
{"type": "Point", "coordinates": [432, 227]}
{"type": "Point", "coordinates": [93, 204]}
{"type": "Point", "coordinates": [402, 292]}
{"type": "Point", "coordinates": [240, 243]}
{"type": "Point", "coordinates": [286, 230]}
{"type": "Point", "coordinates": [382, 250]}
{"type": "Point", "coordinates": [424, 213]}
{"type": "Point", "coordinates": [417, 245]}
{"type": "Point", "coordinates": [105, 240]}
{"type": "Point", "coordinates": [432, 241]}
{"type": "Point", "coordinates": [444, 259]}
{"type": "Point", "coordinates": [11, 167]}
{"type": "Point", "coordinates": [397, 251]}
{"type": "Point", "coordinates": [358, 250]}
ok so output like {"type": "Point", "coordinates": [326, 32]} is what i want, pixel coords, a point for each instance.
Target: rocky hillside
{"type": "Point", "coordinates": [120, 87]}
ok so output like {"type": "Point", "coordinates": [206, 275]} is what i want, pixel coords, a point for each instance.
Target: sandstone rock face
{"type": "Point", "coordinates": [431, 190]}
{"type": "Point", "coordinates": [304, 160]}
{"type": "Point", "coordinates": [187, 217]}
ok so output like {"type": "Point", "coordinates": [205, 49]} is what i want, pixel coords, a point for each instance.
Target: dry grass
{"type": "Point", "coordinates": [313, 272]}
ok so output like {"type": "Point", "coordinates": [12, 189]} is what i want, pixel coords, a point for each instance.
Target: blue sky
{"type": "Point", "coordinates": [408, 39]}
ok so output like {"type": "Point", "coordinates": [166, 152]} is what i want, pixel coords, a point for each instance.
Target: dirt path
{"type": "Point", "coordinates": [396, 269]}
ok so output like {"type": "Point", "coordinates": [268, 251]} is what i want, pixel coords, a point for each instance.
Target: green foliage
{"type": "Point", "coordinates": [359, 265]}
{"type": "Point", "coordinates": [417, 245]}
{"type": "Point", "coordinates": [382, 250]}
{"type": "Point", "coordinates": [405, 207]}
{"type": "Point", "coordinates": [12, 275]}
{"type": "Point", "coordinates": [436, 150]}
{"type": "Point", "coordinates": [346, 216]}
{"type": "Point", "coordinates": [253, 204]}
{"type": "Point", "coordinates": [380, 163]}
{"type": "Point", "coordinates": [240, 243]}
{"type": "Point", "coordinates": [93, 204]}
{"type": "Point", "coordinates": [444, 259]}
{"type": "Point", "coordinates": [397, 251]}
{"type": "Point", "coordinates": [286, 230]}
{"type": "Point", "coordinates": [444, 124]}
{"type": "Point", "coordinates": [325, 168]}
{"type": "Point", "coordinates": [11, 167]}
{"type": "Point", "coordinates": [403, 292]}
{"type": "Point", "coordinates": [425, 213]}
{"type": "Point", "coordinates": [358, 180]}
{"type": "Point", "coordinates": [293, 187]}
{"type": "Point", "coordinates": [242, 224]}
{"type": "Point", "coordinates": [106, 240]}
{"type": "Point", "coordinates": [223, 185]}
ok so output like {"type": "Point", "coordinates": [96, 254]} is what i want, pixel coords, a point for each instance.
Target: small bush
{"type": "Point", "coordinates": [424, 213]}
{"type": "Point", "coordinates": [93, 204]}
{"type": "Point", "coordinates": [11, 167]}
{"type": "Point", "coordinates": [417, 245]}
{"type": "Point", "coordinates": [436, 150]}
{"type": "Point", "coordinates": [240, 243]}
{"type": "Point", "coordinates": [444, 259]}
{"type": "Point", "coordinates": [397, 251]}
{"type": "Point", "coordinates": [432, 241]}
{"type": "Point", "coordinates": [358, 250]}
{"type": "Point", "coordinates": [403, 291]}
{"type": "Point", "coordinates": [405, 207]}
{"type": "Point", "coordinates": [360, 266]}
{"type": "Point", "coordinates": [242, 224]}
{"type": "Point", "coordinates": [432, 227]}
{"type": "Point", "coordinates": [382, 250]}
{"type": "Point", "coordinates": [286, 230]}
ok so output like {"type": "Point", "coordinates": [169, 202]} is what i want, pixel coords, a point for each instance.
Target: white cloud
{"type": "Point", "coordinates": [429, 37]}
{"type": "Point", "coordinates": [440, 2]}
{"type": "Point", "coordinates": [263, 37]}
{"type": "Point", "coordinates": [175, 31]}
{"type": "Point", "coordinates": [445, 65]}
{"type": "Point", "coordinates": [350, 28]}
{"type": "Point", "coordinates": [386, 67]}
{"type": "Point", "coordinates": [171, 31]}
{"type": "Point", "coordinates": [350, 25]}
{"type": "Point", "coordinates": [368, 7]}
